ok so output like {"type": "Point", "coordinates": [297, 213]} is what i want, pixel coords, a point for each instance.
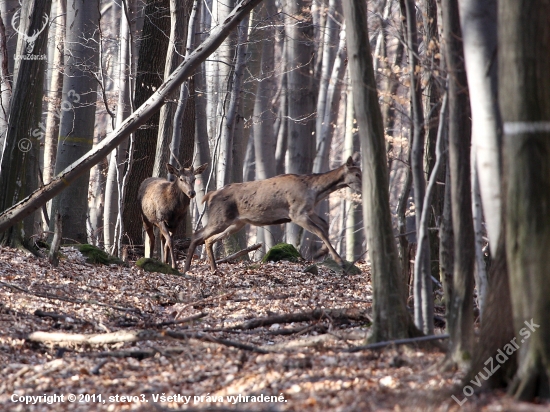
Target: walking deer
{"type": "Point", "coordinates": [280, 199]}
{"type": "Point", "coordinates": [164, 205]}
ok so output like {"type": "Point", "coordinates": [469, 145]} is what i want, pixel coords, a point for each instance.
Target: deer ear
{"type": "Point", "coordinates": [350, 162]}
{"type": "Point", "coordinates": [356, 158]}
{"type": "Point", "coordinates": [171, 169]}
{"type": "Point", "coordinates": [200, 169]}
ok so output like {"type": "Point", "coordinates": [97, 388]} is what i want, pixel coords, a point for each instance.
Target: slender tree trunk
{"type": "Point", "coordinates": [460, 316]}
{"type": "Point", "coordinates": [232, 135]}
{"type": "Point", "coordinates": [179, 14]}
{"type": "Point", "coordinates": [423, 303]}
{"type": "Point", "coordinates": [119, 155]}
{"type": "Point", "coordinates": [353, 209]}
{"type": "Point", "coordinates": [390, 316]}
{"type": "Point", "coordinates": [5, 86]}
{"type": "Point", "coordinates": [524, 87]}
{"type": "Point", "coordinates": [55, 94]}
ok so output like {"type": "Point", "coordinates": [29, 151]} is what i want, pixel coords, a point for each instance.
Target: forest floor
{"type": "Point", "coordinates": [201, 342]}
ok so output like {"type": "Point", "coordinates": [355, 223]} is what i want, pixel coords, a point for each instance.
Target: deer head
{"type": "Point", "coordinates": [353, 175]}
{"type": "Point", "coordinates": [185, 178]}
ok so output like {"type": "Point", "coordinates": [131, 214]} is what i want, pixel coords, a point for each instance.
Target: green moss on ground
{"type": "Point", "coordinates": [97, 256]}
{"type": "Point", "coordinates": [282, 251]}
{"type": "Point", "coordinates": [152, 265]}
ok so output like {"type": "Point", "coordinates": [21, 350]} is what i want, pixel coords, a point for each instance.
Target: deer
{"type": "Point", "coordinates": [280, 199]}
{"type": "Point", "coordinates": [164, 205]}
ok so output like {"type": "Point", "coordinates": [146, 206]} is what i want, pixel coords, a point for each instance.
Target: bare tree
{"type": "Point", "coordinates": [390, 316]}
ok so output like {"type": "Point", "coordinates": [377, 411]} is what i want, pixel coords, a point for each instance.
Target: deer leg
{"type": "Point", "coordinates": [318, 227]}
{"type": "Point", "coordinates": [165, 233]}
{"type": "Point", "coordinates": [149, 229]}
{"type": "Point", "coordinates": [197, 239]}
{"type": "Point", "coordinates": [209, 242]}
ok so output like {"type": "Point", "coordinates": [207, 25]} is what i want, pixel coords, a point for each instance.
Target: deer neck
{"type": "Point", "coordinates": [326, 183]}
{"type": "Point", "coordinates": [176, 192]}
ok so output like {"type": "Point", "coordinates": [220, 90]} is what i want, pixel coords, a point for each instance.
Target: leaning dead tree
{"type": "Point", "coordinates": [39, 197]}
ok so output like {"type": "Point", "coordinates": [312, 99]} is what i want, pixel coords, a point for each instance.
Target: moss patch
{"type": "Point", "coordinates": [282, 251]}
{"type": "Point", "coordinates": [351, 269]}
{"type": "Point", "coordinates": [152, 265]}
{"type": "Point", "coordinates": [97, 256]}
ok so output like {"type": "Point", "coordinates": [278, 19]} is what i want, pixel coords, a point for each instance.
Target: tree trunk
{"type": "Point", "coordinates": [524, 87]}
{"type": "Point", "coordinates": [479, 27]}
{"type": "Point", "coordinates": [390, 316]}
{"type": "Point", "coordinates": [152, 57]}
{"type": "Point", "coordinates": [265, 142]}
{"type": "Point", "coordinates": [5, 86]}
{"type": "Point", "coordinates": [423, 302]}
{"type": "Point", "coordinates": [460, 316]}
{"type": "Point", "coordinates": [119, 155]}
{"type": "Point", "coordinates": [301, 96]}
{"type": "Point", "coordinates": [19, 167]}
{"type": "Point", "coordinates": [77, 123]}
{"type": "Point", "coordinates": [353, 209]}
{"type": "Point", "coordinates": [179, 15]}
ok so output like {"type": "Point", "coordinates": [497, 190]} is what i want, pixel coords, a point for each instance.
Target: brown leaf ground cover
{"type": "Point", "coordinates": [194, 364]}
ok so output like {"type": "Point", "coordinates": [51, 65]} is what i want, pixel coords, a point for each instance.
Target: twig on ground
{"type": "Point", "coordinates": [67, 299]}
{"type": "Point", "coordinates": [240, 253]}
{"type": "Point", "coordinates": [336, 315]}
{"type": "Point", "coordinates": [178, 321]}
{"type": "Point", "coordinates": [379, 345]}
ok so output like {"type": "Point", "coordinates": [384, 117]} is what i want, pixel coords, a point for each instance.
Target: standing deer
{"type": "Point", "coordinates": [280, 199]}
{"type": "Point", "coordinates": [164, 205]}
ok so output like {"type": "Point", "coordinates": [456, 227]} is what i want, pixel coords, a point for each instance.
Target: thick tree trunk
{"type": "Point", "coordinates": [19, 167]}
{"type": "Point", "coordinates": [152, 57]}
{"type": "Point", "coordinates": [265, 140]}
{"type": "Point", "coordinates": [479, 27]}
{"type": "Point", "coordinates": [391, 319]}
{"type": "Point", "coordinates": [77, 124]}
{"type": "Point", "coordinates": [301, 98]}
{"type": "Point", "coordinates": [524, 100]}
{"type": "Point", "coordinates": [460, 310]}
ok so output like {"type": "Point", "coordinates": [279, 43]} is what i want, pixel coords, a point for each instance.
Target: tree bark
{"type": "Point", "coordinates": [423, 302]}
{"type": "Point", "coordinates": [478, 20]}
{"type": "Point", "coordinates": [524, 87]}
{"type": "Point", "coordinates": [301, 96]}
{"type": "Point", "coordinates": [77, 123]}
{"type": "Point", "coordinates": [150, 66]}
{"type": "Point", "coordinates": [391, 319]}
{"type": "Point", "coordinates": [460, 310]}
{"type": "Point", "coordinates": [19, 167]}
